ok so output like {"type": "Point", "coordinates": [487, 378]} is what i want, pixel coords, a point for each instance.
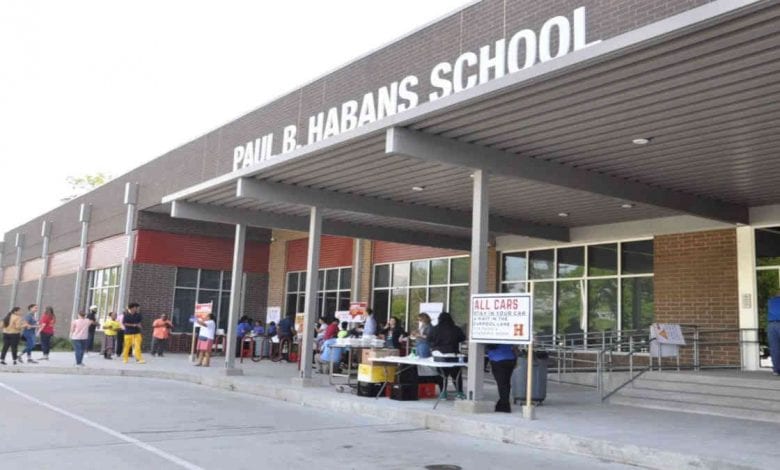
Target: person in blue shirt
{"type": "Point", "coordinates": [286, 328]}
{"type": "Point", "coordinates": [272, 329]}
{"type": "Point", "coordinates": [258, 330]}
{"type": "Point", "coordinates": [773, 331]}
{"type": "Point", "coordinates": [243, 329]}
{"type": "Point", "coordinates": [502, 363]}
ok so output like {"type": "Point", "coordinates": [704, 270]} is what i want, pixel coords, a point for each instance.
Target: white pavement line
{"type": "Point", "coordinates": [169, 457]}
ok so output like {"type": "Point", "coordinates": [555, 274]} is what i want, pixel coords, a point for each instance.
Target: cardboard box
{"type": "Point", "coordinates": [374, 374]}
{"type": "Point", "coordinates": [370, 354]}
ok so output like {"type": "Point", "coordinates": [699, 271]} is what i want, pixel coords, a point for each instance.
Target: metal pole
{"type": "Point", "coordinates": [2, 251]}
{"type": "Point", "coordinates": [235, 298]}
{"type": "Point", "coordinates": [479, 265]}
{"type": "Point", "coordinates": [19, 244]}
{"type": "Point", "coordinates": [85, 214]}
{"type": "Point", "coordinates": [310, 312]}
{"type": "Point", "coordinates": [696, 363]}
{"type": "Point", "coordinates": [131, 200]}
{"type": "Point", "coordinates": [528, 409]}
{"type": "Point", "coordinates": [46, 234]}
{"type": "Point", "coordinates": [357, 270]}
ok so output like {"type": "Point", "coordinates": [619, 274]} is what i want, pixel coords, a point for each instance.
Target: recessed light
{"type": "Point", "coordinates": [642, 141]}
{"type": "Point", "coordinates": [418, 188]}
{"type": "Point", "coordinates": [627, 205]}
{"type": "Point", "coordinates": [563, 214]}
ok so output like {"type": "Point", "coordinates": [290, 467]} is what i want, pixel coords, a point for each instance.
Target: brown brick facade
{"type": "Point", "coordinates": [696, 284]}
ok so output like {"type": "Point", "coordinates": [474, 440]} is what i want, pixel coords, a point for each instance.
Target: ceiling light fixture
{"type": "Point", "coordinates": [418, 188]}
{"type": "Point", "coordinates": [627, 205]}
{"type": "Point", "coordinates": [563, 214]}
{"type": "Point", "coordinates": [642, 141]}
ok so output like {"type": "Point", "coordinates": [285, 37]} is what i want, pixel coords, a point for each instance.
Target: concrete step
{"type": "Point", "coordinates": [725, 390]}
{"type": "Point", "coordinates": [687, 407]}
{"type": "Point", "coordinates": [757, 380]}
{"type": "Point", "coordinates": [731, 401]}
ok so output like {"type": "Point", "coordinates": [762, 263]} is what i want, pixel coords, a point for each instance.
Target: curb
{"type": "Point", "coordinates": [646, 457]}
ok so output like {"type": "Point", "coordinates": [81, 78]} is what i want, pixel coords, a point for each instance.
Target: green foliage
{"type": "Point", "coordinates": [86, 183]}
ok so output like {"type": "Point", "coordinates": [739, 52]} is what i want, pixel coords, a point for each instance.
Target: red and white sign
{"type": "Point", "coordinates": [202, 311]}
{"type": "Point", "coordinates": [357, 312]}
{"type": "Point", "coordinates": [501, 318]}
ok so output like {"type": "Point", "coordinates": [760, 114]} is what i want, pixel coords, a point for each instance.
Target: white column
{"type": "Point", "coordinates": [357, 269]}
{"type": "Point", "coordinates": [19, 244]}
{"type": "Point", "coordinates": [312, 269]}
{"type": "Point", "coordinates": [46, 234]}
{"type": "Point", "coordinates": [131, 200]}
{"type": "Point", "coordinates": [235, 299]}
{"type": "Point", "coordinates": [85, 214]}
{"type": "Point", "coordinates": [479, 266]}
{"type": "Point", "coordinates": [748, 296]}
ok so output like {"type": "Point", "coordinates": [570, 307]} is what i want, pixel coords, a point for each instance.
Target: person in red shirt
{"type": "Point", "coordinates": [162, 330]}
{"type": "Point", "coordinates": [332, 330]}
{"type": "Point", "coordinates": [46, 326]}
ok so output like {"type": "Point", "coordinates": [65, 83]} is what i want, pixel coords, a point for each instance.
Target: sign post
{"type": "Point", "coordinates": [505, 319]}
{"type": "Point", "coordinates": [202, 312]}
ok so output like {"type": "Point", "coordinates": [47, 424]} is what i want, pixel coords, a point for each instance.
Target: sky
{"type": "Point", "coordinates": [105, 86]}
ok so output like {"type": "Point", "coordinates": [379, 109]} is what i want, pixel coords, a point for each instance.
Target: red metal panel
{"type": "Point", "coordinates": [64, 262]}
{"type": "Point", "coordinates": [107, 252]}
{"type": "Point", "coordinates": [388, 252]}
{"type": "Point", "coordinates": [193, 251]}
{"type": "Point", "coordinates": [334, 252]}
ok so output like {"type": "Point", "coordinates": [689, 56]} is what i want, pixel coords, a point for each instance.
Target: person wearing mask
{"type": "Point", "coordinates": [79, 335]}
{"type": "Point", "coordinates": [393, 333]}
{"type": "Point", "coordinates": [46, 326]}
{"type": "Point", "coordinates": [370, 327]}
{"type": "Point", "coordinates": [446, 338]}
{"type": "Point", "coordinates": [161, 332]}
{"type": "Point", "coordinates": [12, 332]}
{"type": "Point", "coordinates": [132, 323]}
{"type": "Point", "coordinates": [424, 328]}
{"type": "Point", "coordinates": [208, 329]}
{"type": "Point", "coordinates": [93, 317]}
{"type": "Point", "coordinates": [502, 363]}
{"type": "Point", "coordinates": [29, 326]}
{"type": "Point", "coordinates": [110, 329]}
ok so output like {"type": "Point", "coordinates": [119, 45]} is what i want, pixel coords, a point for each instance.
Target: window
{"type": "Point", "coordinates": [200, 286]}
{"type": "Point", "coordinates": [767, 272]}
{"type": "Point", "coordinates": [334, 291]}
{"type": "Point", "coordinates": [400, 288]}
{"type": "Point", "coordinates": [587, 288]}
{"type": "Point", "coordinates": [103, 291]}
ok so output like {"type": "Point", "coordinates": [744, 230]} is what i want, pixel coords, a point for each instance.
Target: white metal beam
{"type": "Point", "coordinates": [232, 216]}
{"type": "Point", "coordinates": [429, 147]}
{"type": "Point", "coordinates": [278, 192]}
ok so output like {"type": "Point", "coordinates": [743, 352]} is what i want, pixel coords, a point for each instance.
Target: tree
{"type": "Point", "coordinates": [84, 184]}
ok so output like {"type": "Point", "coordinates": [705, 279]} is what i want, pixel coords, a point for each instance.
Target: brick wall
{"type": "Point", "coordinates": [107, 252]}
{"type": "Point", "coordinates": [152, 286]}
{"type": "Point", "coordinates": [334, 252]}
{"type": "Point", "coordinates": [696, 283]}
{"type": "Point", "coordinates": [277, 263]}
{"type": "Point", "coordinates": [389, 252]}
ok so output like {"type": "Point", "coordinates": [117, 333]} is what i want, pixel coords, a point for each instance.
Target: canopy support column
{"type": "Point", "coordinates": [312, 276]}
{"type": "Point", "coordinates": [235, 300]}
{"type": "Point", "coordinates": [479, 267]}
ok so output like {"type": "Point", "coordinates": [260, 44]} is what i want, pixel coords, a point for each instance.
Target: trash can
{"type": "Point", "coordinates": [539, 381]}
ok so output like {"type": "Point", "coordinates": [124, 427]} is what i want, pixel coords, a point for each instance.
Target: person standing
{"type": "Point", "coordinates": [79, 335]}
{"type": "Point", "coordinates": [421, 345]}
{"type": "Point", "coordinates": [30, 325]}
{"type": "Point", "coordinates": [12, 331]}
{"type": "Point", "coordinates": [446, 338]}
{"type": "Point", "coordinates": [48, 319]}
{"type": "Point", "coordinates": [110, 329]}
{"type": "Point", "coordinates": [502, 363]}
{"type": "Point", "coordinates": [161, 332]}
{"type": "Point", "coordinates": [132, 323]}
{"type": "Point", "coordinates": [93, 317]}
{"type": "Point", "coordinates": [208, 328]}
{"type": "Point", "coordinates": [120, 334]}
{"type": "Point", "coordinates": [773, 331]}
{"type": "Point", "coordinates": [370, 327]}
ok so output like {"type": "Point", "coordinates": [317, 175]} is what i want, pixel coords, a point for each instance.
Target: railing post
{"type": "Point", "coordinates": [696, 363]}
{"type": "Point", "coordinates": [631, 359]}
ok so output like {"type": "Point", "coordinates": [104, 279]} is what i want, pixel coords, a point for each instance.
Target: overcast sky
{"type": "Point", "coordinates": [104, 86]}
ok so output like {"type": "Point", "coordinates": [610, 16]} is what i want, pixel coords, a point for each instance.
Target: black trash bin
{"type": "Point", "coordinates": [539, 381]}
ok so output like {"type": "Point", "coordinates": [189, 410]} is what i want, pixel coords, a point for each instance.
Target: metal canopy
{"type": "Point", "coordinates": [702, 86]}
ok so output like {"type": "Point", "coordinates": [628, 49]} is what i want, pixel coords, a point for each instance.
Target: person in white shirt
{"type": "Point", "coordinates": [208, 328]}
{"type": "Point", "coordinates": [370, 327]}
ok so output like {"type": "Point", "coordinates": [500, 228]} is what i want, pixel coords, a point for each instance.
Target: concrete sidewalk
{"type": "Point", "coordinates": [572, 420]}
